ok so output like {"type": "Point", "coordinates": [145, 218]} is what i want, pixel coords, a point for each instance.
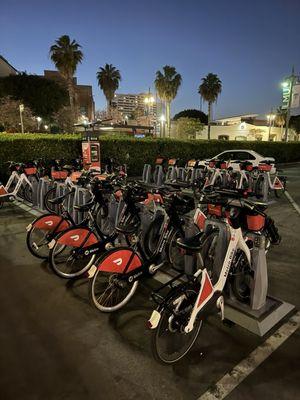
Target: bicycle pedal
{"type": "Point", "coordinates": [220, 305]}
{"type": "Point", "coordinates": [109, 246]}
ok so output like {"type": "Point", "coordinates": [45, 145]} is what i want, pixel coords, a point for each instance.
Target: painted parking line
{"type": "Point", "coordinates": [233, 378]}
{"type": "Point", "coordinates": [27, 208]}
{"type": "Point", "coordinates": [292, 201]}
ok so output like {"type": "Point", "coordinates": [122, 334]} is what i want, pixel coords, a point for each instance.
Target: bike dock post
{"type": "Point", "coordinates": [264, 311]}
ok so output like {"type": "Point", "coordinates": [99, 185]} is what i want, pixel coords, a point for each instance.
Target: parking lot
{"type": "Point", "coordinates": [54, 345]}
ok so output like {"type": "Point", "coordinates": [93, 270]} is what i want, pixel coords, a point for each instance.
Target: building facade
{"type": "Point", "coordinates": [83, 95]}
{"type": "Point", "coordinates": [243, 128]}
{"type": "Point", "coordinates": [6, 68]}
{"type": "Point", "coordinates": [142, 106]}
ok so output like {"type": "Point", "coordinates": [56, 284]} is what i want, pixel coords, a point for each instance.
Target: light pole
{"type": "Point", "coordinates": [21, 108]}
{"type": "Point", "coordinates": [270, 118]}
{"type": "Point", "coordinates": [149, 101]}
{"type": "Point", "coordinates": [287, 89]}
{"type": "Point", "coordinates": [39, 120]}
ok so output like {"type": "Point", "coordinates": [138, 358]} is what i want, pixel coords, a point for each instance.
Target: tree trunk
{"type": "Point", "coordinates": [72, 97]}
{"type": "Point", "coordinates": [108, 107]}
{"type": "Point", "coordinates": [168, 117]}
{"type": "Point", "coordinates": [209, 119]}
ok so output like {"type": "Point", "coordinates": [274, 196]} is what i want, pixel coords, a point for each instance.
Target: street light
{"type": "Point", "coordinates": [287, 92]}
{"type": "Point", "coordinates": [149, 101]}
{"type": "Point", "coordinates": [21, 109]}
{"type": "Point", "coordinates": [46, 127]}
{"type": "Point", "coordinates": [39, 120]}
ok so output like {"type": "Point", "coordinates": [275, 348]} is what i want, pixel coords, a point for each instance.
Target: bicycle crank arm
{"type": "Point", "coordinates": [153, 268]}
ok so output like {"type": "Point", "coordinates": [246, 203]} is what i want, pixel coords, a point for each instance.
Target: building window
{"type": "Point", "coordinates": [223, 137]}
{"type": "Point", "coordinates": [83, 110]}
{"type": "Point", "coordinates": [241, 138]}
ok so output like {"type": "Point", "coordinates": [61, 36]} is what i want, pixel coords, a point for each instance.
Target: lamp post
{"type": "Point", "coordinates": [287, 89]}
{"type": "Point", "coordinates": [271, 118]}
{"type": "Point", "coordinates": [21, 109]}
{"type": "Point", "coordinates": [149, 101]}
{"type": "Point", "coordinates": [39, 120]}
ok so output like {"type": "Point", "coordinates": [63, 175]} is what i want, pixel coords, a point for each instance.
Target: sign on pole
{"type": "Point", "coordinates": [286, 94]}
{"type": "Point", "coordinates": [21, 106]}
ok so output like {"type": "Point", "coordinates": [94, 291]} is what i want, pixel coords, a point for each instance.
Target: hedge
{"type": "Point", "coordinates": [26, 147]}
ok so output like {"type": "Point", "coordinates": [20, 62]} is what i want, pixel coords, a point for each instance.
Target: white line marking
{"type": "Point", "coordinates": [232, 379]}
{"type": "Point", "coordinates": [292, 201]}
{"type": "Point", "coordinates": [24, 207]}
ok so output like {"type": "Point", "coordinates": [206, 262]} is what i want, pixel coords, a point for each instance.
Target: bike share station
{"type": "Point", "coordinates": [264, 311]}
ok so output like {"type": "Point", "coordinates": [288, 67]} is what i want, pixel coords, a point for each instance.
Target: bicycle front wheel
{"type": "Point", "coordinates": [169, 342]}
{"type": "Point", "coordinates": [65, 258]}
{"type": "Point", "coordinates": [37, 241]}
{"type": "Point", "coordinates": [50, 195]}
{"type": "Point", "coordinates": [108, 292]}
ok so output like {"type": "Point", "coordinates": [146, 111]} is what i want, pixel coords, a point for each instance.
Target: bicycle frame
{"type": "Point", "coordinates": [209, 292]}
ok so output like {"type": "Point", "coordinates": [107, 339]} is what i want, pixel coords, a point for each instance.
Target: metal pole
{"type": "Point", "coordinates": [288, 111]}
{"type": "Point", "coordinates": [21, 118]}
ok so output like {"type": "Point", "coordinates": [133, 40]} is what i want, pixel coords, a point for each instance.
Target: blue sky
{"type": "Point", "coordinates": [251, 45]}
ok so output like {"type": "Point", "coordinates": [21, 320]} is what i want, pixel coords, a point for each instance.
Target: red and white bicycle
{"type": "Point", "coordinates": [177, 321]}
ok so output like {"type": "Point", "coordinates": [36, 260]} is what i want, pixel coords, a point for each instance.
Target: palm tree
{"type": "Point", "coordinates": [280, 118]}
{"type": "Point", "coordinates": [66, 55]}
{"type": "Point", "coordinates": [167, 85]}
{"type": "Point", "coordinates": [108, 80]}
{"type": "Point", "coordinates": [209, 90]}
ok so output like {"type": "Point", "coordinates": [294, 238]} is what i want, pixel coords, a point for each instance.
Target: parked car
{"type": "Point", "coordinates": [234, 156]}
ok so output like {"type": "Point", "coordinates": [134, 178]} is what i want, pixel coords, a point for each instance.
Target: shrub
{"type": "Point", "coordinates": [134, 152]}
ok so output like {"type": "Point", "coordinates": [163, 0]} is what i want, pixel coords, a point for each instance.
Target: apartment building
{"type": "Point", "coordinates": [137, 106]}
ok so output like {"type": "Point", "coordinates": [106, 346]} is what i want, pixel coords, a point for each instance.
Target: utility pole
{"type": "Point", "coordinates": [291, 82]}
{"type": "Point", "coordinates": [21, 109]}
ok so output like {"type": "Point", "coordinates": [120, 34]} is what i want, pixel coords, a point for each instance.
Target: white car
{"type": "Point", "coordinates": [232, 156]}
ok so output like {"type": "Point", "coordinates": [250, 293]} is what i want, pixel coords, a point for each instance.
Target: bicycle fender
{"type": "Point", "coordinates": [77, 237]}
{"type": "Point", "coordinates": [50, 223]}
{"type": "Point", "coordinates": [120, 260]}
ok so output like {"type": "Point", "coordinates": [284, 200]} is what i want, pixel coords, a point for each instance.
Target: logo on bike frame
{"type": "Point", "coordinates": [75, 238]}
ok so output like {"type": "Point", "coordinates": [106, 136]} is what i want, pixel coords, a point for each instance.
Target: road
{"type": "Point", "coordinates": [54, 345]}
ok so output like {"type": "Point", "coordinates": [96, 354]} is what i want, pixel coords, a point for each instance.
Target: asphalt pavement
{"type": "Point", "coordinates": [54, 345]}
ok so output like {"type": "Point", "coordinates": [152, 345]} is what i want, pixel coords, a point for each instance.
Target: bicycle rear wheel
{"type": "Point", "coordinates": [169, 342]}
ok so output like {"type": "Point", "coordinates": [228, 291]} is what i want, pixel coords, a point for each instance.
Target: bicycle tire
{"type": "Point", "coordinates": [164, 325]}
{"type": "Point", "coordinates": [109, 282]}
{"type": "Point", "coordinates": [60, 266]}
{"type": "Point", "coordinates": [152, 236]}
{"type": "Point", "coordinates": [50, 195]}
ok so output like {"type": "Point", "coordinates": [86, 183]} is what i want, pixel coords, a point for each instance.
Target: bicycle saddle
{"type": "Point", "coordinates": [84, 207]}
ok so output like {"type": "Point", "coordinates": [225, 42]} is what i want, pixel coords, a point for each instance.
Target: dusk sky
{"type": "Point", "coordinates": [251, 45]}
